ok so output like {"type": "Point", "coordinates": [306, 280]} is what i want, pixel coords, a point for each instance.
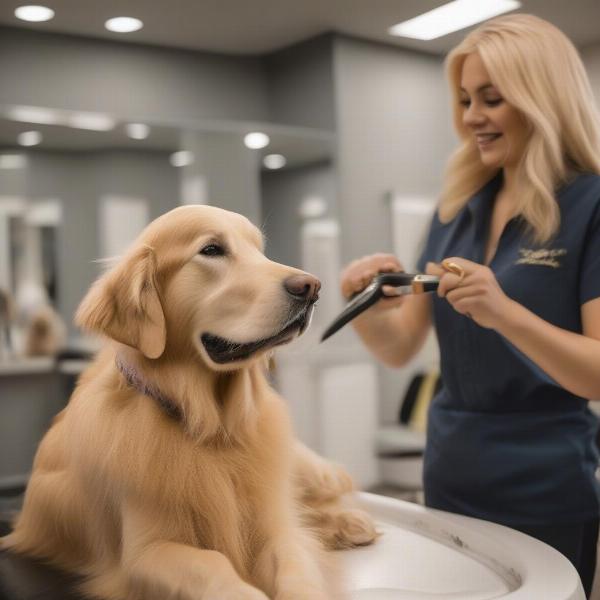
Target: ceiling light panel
{"type": "Point", "coordinates": [451, 17]}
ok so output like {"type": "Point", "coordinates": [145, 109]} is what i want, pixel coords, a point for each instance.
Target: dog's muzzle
{"type": "Point", "coordinates": [223, 351]}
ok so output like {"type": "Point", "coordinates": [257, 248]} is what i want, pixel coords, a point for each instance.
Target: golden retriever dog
{"type": "Point", "coordinates": [173, 471]}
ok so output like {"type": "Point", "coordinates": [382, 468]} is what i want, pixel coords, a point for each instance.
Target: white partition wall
{"type": "Point", "coordinates": [122, 219]}
{"type": "Point", "coordinates": [410, 220]}
{"type": "Point", "coordinates": [349, 397]}
{"type": "Point", "coordinates": [320, 243]}
{"type": "Point", "coordinates": [333, 394]}
{"type": "Point", "coordinates": [331, 387]}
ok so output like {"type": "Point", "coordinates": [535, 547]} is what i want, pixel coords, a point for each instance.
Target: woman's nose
{"type": "Point", "coordinates": [473, 116]}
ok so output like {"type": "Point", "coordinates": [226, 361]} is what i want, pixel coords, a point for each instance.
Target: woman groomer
{"type": "Point", "coordinates": [516, 241]}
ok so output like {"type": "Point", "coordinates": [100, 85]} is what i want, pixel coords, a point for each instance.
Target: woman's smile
{"type": "Point", "coordinates": [486, 140]}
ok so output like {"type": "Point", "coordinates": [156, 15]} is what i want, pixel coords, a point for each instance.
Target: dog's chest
{"type": "Point", "coordinates": [232, 501]}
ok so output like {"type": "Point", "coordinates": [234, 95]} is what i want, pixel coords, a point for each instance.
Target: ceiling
{"type": "Point", "coordinates": [254, 27]}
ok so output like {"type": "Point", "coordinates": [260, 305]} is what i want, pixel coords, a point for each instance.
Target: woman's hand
{"type": "Point", "coordinates": [393, 333]}
{"type": "Point", "coordinates": [472, 290]}
{"type": "Point", "coordinates": [359, 273]}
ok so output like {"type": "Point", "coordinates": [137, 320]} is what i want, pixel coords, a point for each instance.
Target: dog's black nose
{"type": "Point", "coordinates": [303, 287]}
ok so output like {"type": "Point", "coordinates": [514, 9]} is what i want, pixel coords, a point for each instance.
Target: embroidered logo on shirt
{"type": "Point", "coordinates": [543, 256]}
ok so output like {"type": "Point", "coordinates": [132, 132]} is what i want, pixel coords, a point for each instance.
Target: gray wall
{"type": "Point", "coordinates": [393, 133]}
{"type": "Point", "coordinates": [230, 172]}
{"type": "Point", "coordinates": [300, 84]}
{"type": "Point", "coordinates": [282, 195]}
{"type": "Point", "coordinates": [128, 80]}
{"type": "Point", "coordinates": [78, 181]}
{"type": "Point", "coordinates": [292, 86]}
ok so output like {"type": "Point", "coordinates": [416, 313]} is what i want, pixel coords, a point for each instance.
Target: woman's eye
{"type": "Point", "coordinates": [493, 102]}
{"type": "Point", "coordinates": [465, 103]}
{"type": "Point", "coordinates": [213, 250]}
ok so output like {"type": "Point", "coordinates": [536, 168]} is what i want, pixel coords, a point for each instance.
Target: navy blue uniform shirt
{"type": "Point", "coordinates": [505, 442]}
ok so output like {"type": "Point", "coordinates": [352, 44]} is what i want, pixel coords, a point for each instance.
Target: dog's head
{"type": "Point", "coordinates": [196, 282]}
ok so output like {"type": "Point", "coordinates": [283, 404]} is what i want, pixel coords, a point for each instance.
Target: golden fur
{"type": "Point", "coordinates": [220, 502]}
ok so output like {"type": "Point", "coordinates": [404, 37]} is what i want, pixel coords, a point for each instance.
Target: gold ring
{"type": "Point", "coordinates": [452, 267]}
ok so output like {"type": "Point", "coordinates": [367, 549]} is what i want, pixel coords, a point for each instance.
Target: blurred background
{"type": "Point", "coordinates": [310, 118]}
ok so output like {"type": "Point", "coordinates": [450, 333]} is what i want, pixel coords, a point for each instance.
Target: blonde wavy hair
{"type": "Point", "coordinates": [537, 70]}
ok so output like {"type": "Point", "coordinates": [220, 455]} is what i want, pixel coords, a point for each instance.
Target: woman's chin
{"type": "Point", "coordinates": [491, 159]}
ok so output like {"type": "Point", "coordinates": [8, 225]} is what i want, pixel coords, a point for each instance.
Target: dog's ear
{"type": "Point", "coordinates": [124, 304]}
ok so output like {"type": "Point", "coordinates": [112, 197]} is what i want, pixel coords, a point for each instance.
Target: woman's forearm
{"type": "Point", "coordinates": [395, 335]}
{"type": "Point", "coordinates": [571, 359]}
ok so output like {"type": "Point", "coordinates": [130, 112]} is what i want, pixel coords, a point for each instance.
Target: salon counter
{"type": "Point", "coordinates": [32, 392]}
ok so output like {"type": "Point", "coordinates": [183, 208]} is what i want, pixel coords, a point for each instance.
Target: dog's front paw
{"type": "Point", "coordinates": [350, 528]}
{"type": "Point", "coordinates": [356, 527]}
{"type": "Point", "coordinates": [329, 481]}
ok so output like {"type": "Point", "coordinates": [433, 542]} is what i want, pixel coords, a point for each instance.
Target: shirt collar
{"type": "Point", "coordinates": [481, 202]}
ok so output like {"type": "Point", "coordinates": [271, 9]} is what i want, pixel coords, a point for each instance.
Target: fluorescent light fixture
{"type": "Point", "coordinates": [256, 140]}
{"type": "Point", "coordinates": [91, 121]}
{"type": "Point", "coordinates": [137, 131]}
{"type": "Point", "coordinates": [47, 116]}
{"type": "Point", "coordinates": [274, 161]}
{"type": "Point", "coordinates": [33, 114]}
{"type": "Point", "coordinates": [29, 138]}
{"type": "Point", "coordinates": [123, 24]}
{"type": "Point", "coordinates": [452, 17]}
{"type": "Point", "coordinates": [13, 161]}
{"type": "Point", "coordinates": [34, 13]}
{"type": "Point", "coordinates": [182, 158]}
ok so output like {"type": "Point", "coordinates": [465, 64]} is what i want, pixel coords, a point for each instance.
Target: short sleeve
{"type": "Point", "coordinates": [589, 279]}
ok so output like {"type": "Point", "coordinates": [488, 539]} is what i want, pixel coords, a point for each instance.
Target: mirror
{"type": "Point", "coordinates": [77, 187]}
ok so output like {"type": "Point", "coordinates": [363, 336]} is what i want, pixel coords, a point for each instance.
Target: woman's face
{"type": "Point", "coordinates": [498, 128]}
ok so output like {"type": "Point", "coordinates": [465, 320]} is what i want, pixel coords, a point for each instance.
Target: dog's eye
{"type": "Point", "coordinates": [213, 250]}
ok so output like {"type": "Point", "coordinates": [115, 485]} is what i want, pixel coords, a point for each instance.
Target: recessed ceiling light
{"type": "Point", "coordinates": [256, 140]}
{"type": "Point", "coordinates": [183, 158]}
{"type": "Point", "coordinates": [12, 161]}
{"type": "Point", "coordinates": [274, 161]}
{"type": "Point", "coordinates": [123, 24]}
{"type": "Point", "coordinates": [452, 17]}
{"type": "Point", "coordinates": [137, 131]}
{"type": "Point", "coordinates": [29, 138]}
{"type": "Point", "coordinates": [34, 13]}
